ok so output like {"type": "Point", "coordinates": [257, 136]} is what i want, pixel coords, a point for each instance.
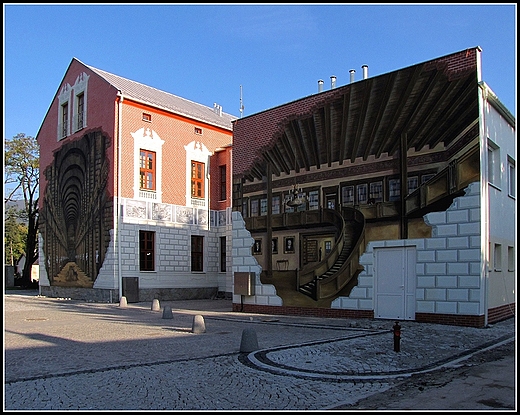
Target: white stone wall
{"type": "Point", "coordinates": [448, 277]}
{"type": "Point", "coordinates": [244, 261]}
{"type": "Point", "coordinates": [172, 257]}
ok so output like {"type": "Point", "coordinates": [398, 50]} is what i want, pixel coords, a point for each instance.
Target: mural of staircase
{"type": "Point", "coordinates": [330, 276]}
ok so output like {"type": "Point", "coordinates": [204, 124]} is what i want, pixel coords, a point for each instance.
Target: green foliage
{"type": "Point", "coordinates": [15, 235]}
{"type": "Point", "coordinates": [22, 182]}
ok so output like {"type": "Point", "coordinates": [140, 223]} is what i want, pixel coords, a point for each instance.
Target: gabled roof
{"type": "Point", "coordinates": [166, 101]}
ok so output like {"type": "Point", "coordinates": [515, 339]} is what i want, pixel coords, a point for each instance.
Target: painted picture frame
{"type": "Point", "coordinates": [274, 246]}
{"type": "Point", "coordinates": [288, 243]}
{"type": "Point", "coordinates": [257, 247]}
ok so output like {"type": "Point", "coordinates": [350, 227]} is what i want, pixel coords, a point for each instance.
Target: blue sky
{"type": "Point", "coordinates": [276, 52]}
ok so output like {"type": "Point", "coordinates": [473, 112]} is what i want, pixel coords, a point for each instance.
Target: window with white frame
{"type": "Point", "coordinates": [493, 164]}
{"type": "Point", "coordinates": [197, 161]}
{"type": "Point", "coordinates": [63, 111]}
{"type": "Point", "coordinates": [511, 178]}
{"type": "Point", "coordinates": [147, 165]}
{"type": "Point", "coordinates": [79, 110]}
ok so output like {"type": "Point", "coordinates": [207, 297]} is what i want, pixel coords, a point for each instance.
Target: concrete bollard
{"type": "Point", "coordinates": [249, 342]}
{"type": "Point", "coordinates": [167, 312]}
{"type": "Point", "coordinates": [122, 302]}
{"type": "Point", "coordinates": [198, 324]}
{"type": "Point", "coordinates": [155, 305]}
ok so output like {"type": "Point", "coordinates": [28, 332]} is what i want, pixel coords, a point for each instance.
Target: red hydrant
{"type": "Point", "coordinates": [397, 336]}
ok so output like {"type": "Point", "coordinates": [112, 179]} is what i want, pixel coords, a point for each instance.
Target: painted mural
{"type": "Point", "coordinates": [78, 213]}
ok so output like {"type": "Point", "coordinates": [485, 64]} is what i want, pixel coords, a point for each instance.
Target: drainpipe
{"type": "Point", "coordinates": [118, 202]}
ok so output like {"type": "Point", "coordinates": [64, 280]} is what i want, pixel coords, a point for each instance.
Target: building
{"type": "Point", "coordinates": [135, 192]}
{"type": "Point", "coordinates": [390, 197]}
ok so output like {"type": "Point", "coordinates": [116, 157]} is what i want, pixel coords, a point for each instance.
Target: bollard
{"type": "Point", "coordinates": [122, 302]}
{"type": "Point", "coordinates": [167, 312]}
{"type": "Point", "coordinates": [397, 336]}
{"type": "Point", "coordinates": [198, 324]}
{"type": "Point", "coordinates": [155, 305]}
{"type": "Point", "coordinates": [249, 342]}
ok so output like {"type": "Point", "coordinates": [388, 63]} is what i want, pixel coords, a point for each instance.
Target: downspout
{"type": "Point", "coordinates": [118, 201]}
{"type": "Point", "coordinates": [483, 94]}
{"type": "Point", "coordinates": [484, 200]}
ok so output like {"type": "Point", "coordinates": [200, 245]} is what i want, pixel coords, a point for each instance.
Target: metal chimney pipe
{"type": "Point", "coordinates": [332, 82]}
{"type": "Point", "coordinates": [365, 71]}
{"type": "Point", "coordinates": [320, 85]}
{"type": "Point", "coordinates": [352, 73]}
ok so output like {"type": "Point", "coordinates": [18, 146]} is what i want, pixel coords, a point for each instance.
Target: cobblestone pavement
{"type": "Point", "coordinates": [61, 354]}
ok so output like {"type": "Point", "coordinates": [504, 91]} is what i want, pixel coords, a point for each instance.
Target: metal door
{"type": "Point", "coordinates": [131, 289]}
{"type": "Point", "coordinates": [394, 283]}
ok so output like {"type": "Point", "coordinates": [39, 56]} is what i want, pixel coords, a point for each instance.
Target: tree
{"type": "Point", "coordinates": [22, 181]}
{"type": "Point", "coordinates": [15, 235]}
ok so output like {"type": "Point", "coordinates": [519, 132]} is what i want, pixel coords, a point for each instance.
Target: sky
{"type": "Point", "coordinates": [260, 55]}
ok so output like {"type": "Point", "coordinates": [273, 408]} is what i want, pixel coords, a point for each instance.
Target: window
{"type": "Point", "coordinates": [314, 200]}
{"type": "Point", "coordinates": [197, 179]}
{"type": "Point", "coordinates": [64, 119]}
{"type": "Point", "coordinates": [511, 183]}
{"type": "Point", "coordinates": [146, 251]}
{"type": "Point", "coordinates": [222, 254]}
{"type": "Point", "coordinates": [376, 192]}
{"type": "Point", "coordinates": [147, 170]}
{"type": "Point", "coordinates": [493, 164]}
{"type": "Point", "coordinates": [393, 189]}
{"type": "Point", "coordinates": [275, 205]}
{"type": "Point", "coordinates": [245, 208]}
{"type": "Point", "coordinates": [361, 193]}
{"type": "Point", "coordinates": [426, 177]}
{"type": "Point", "coordinates": [80, 109]}
{"type": "Point", "coordinates": [198, 130]}
{"type": "Point", "coordinates": [254, 207]}
{"type": "Point", "coordinates": [223, 185]}
{"type": "Point", "coordinates": [197, 253]}
{"type": "Point", "coordinates": [497, 258]}
{"type": "Point", "coordinates": [412, 183]}
{"type": "Point", "coordinates": [263, 207]}
{"type": "Point", "coordinates": [347, 194]}
{"type": "Point", "coordinates": [147, 117]}
{"type": "Point", "coordinates": [510, 258]}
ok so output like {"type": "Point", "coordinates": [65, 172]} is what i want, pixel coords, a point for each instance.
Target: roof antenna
{"type": "Point", "coordinates": [241, 105]}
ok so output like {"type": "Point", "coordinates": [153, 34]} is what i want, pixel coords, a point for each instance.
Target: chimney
{"type": "Point", "coordinates": [320, 85]}
{"type": "Point", "coordinates": [365, 71]}
{"type": "Point", "coordinates": [332, 82]}
{"type": "Point", "coordinates": [352, 73]}
{"type": "Point", "coordinates": [217, 109]}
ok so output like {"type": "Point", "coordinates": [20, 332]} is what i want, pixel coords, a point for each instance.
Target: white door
{"type": "Point", "coordinates": [394, 283]}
